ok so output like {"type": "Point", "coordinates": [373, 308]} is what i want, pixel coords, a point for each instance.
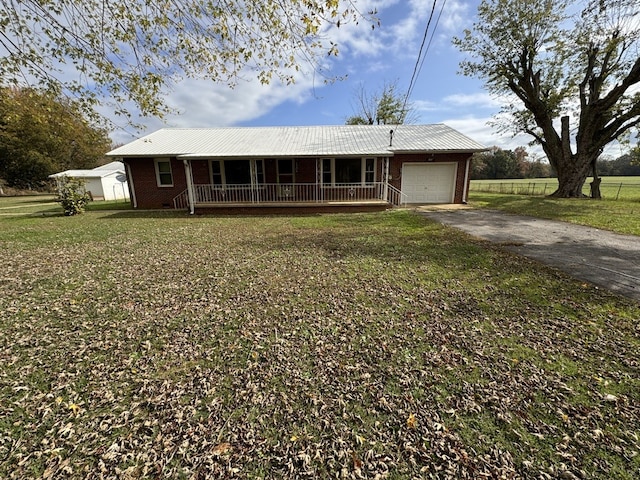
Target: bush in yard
{"type": "Point", "coordinates": [72, 195]}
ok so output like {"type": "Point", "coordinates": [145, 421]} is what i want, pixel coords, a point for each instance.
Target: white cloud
{"type": "Point", "coordinates": [479, 129]}
{"type": "Point", "coordinates": [456, 17]}
{"type": "Point", "coordinates": [202, 103]}
{"type": "Point", "coordinates": [473, 100]}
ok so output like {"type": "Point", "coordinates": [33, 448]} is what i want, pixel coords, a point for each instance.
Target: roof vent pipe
{"type": "Point", "coordinates": [391, 138]}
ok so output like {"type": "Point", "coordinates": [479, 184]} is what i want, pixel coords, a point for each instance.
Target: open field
{"type": "Point", "coordinates": [337, 346]}
{"type": "Point", "coordinates": [611, 188]}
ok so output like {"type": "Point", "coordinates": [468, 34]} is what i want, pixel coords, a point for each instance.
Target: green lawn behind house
{"type": "Point", "coordinates": [147, 345]}
{"type": "Point", "coordinates": [45, 204]}
{"type": "Point", "coordinates": [28, 204]}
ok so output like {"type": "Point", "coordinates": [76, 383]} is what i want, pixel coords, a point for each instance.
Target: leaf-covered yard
{"type": "Point", "coordinates": [337, 346]}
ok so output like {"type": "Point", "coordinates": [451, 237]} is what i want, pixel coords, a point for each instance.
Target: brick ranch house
{"type": "Point", "coordinates": [321, 168]}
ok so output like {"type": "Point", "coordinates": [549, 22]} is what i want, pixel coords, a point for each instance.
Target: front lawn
{"type": "Point", "coordinates": [139, 345]}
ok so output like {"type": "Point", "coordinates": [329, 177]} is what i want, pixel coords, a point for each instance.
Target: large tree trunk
{"type": "Point", "coordinates": [572, 175]}
{"type": "Point", "coordinates": [570, 184]}
{"type": "Point", "coordinates": [572, 169]}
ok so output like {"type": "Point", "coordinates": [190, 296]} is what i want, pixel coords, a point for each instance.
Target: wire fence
{"type": "Point", "coordinates": [609, 190]}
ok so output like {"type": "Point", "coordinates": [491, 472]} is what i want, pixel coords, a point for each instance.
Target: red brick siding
{"type": "Point", "coordinates": [305, 170]}
{"type": "Point", "coordinates": [148, 193]}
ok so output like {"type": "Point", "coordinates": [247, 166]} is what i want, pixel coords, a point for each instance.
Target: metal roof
{"type": "Point", "coordinates": [315, 141]}
{"type": "Point", "coordinates": [98, 172]}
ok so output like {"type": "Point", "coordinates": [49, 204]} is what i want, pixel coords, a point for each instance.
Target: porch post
{"type": "Point", "coordinates": [465, 189]}
{"type": "Point", "coordinates": [253, 175]}
{"type": "Point", "coordinates": [132, 187]}
{"type": "Point", "coordinates": [189, 178]}
{"type": "Point", "coordinates": [318, 177]}
{"type": "Point", "coordinates": [385, 193]}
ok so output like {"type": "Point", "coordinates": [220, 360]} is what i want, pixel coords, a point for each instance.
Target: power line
{"type": "Point", "coordinates": [421, 56]}
{"type": "Point", "coordinates": [433, 33]}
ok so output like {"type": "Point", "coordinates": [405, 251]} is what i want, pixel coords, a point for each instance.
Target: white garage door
{"type": "Point", "coordinates": [429, 182]}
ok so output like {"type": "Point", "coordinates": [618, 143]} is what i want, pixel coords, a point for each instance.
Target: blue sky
{"type": "Point", "coordinates": [368, 58]}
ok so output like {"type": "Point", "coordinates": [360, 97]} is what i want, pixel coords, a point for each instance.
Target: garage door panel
{"type": "Point", "coordinates": [428, 183]}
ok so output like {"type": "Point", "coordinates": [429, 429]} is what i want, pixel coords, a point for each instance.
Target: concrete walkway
{"type": "Point", "coordinates": [600, 257]}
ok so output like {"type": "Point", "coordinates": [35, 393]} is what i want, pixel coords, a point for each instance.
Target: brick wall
{"type": "Point", "coordinates": [148, 193]}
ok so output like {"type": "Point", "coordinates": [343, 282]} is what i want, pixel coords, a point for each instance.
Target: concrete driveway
{"type": "Point", "coordinates": [600, 257]}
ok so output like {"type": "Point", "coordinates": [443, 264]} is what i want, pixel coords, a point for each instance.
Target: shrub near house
{"type": "Point", "coordinates": [72, 195]}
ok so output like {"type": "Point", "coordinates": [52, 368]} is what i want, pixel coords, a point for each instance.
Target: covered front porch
{"type": "Point", "coordinates": [284, 183]}
{"type": "Point", "coordinates": [209, 196]}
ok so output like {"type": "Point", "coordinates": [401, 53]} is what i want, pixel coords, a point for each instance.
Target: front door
{"type": "Point", "coordinates": [286, 177]}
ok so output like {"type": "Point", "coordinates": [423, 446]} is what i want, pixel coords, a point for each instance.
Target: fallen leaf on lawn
{"type": "Point", "coordinates": [411, 421]}
{"type": "Point", "coordinates": [222, 449]}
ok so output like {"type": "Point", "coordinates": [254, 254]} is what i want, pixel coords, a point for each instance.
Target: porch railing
{"type": "Point", "coordinates": [291, 193]}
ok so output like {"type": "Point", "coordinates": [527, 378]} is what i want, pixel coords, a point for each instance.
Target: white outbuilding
{"type": "Point", "coordinates": [106, 182]}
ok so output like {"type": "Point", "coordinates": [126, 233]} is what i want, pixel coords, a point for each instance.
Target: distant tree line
{"type": "Point", "coordinates": [41, 134]}
{"type": "Point", "coordinates": [506, 164]}
{"type": "Point", "coordinates": [498, 163]}
{"type": "Point", "coordinates": [623, 166]}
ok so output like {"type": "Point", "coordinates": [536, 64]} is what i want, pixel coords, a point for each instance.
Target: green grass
{"type": "Point", "coordinates": [45, 204]}
{"type": "Point", "coordinates": [622, 216]}
{"type": "Point", "coordinates": [28, 205]}
{"type": "Point", "coordinates": [108, 205]}
{"type": "Point", "coordinates": [148, 345]}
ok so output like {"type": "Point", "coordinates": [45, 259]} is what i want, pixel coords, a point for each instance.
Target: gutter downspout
{"type": "Point", "coordinates": [465, 190]}
{"type": "Point", "coordinates": [189, 178]}
{"type": "Point", "coordinates": [134, 200]}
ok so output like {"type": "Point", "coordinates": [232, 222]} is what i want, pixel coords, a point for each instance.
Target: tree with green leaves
{"type": "Point", "coordinates": [41, 135]}
{"type": "Point", "coordinates": [385, 107]}
{"type": "Point", "coordinates": [497, 163]}
{"type": "Point", "coordinates": [133, 50]}
{"type": "Point", "coordinates": [635, 155]}
{"type": "Point", "coordinates": [571, 69]}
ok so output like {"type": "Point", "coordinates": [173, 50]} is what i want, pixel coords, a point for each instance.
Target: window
{"type": "Point", "coordinates": [164, 176]}
{"type": "Point", "coordinates": [216, 172]}
{"type": "Point", "coordinates": [326, 171]}
{"type": "Point", "coordinates": [369, 170]}
{"type": "Point", "coordinates": [236, 172]}
{"type": "Point", "coordinates": [348, 170]}
{"type": "Point", "coordinates": [260, 172]}
{"type": "Point", "coordinates": [285, 170]}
